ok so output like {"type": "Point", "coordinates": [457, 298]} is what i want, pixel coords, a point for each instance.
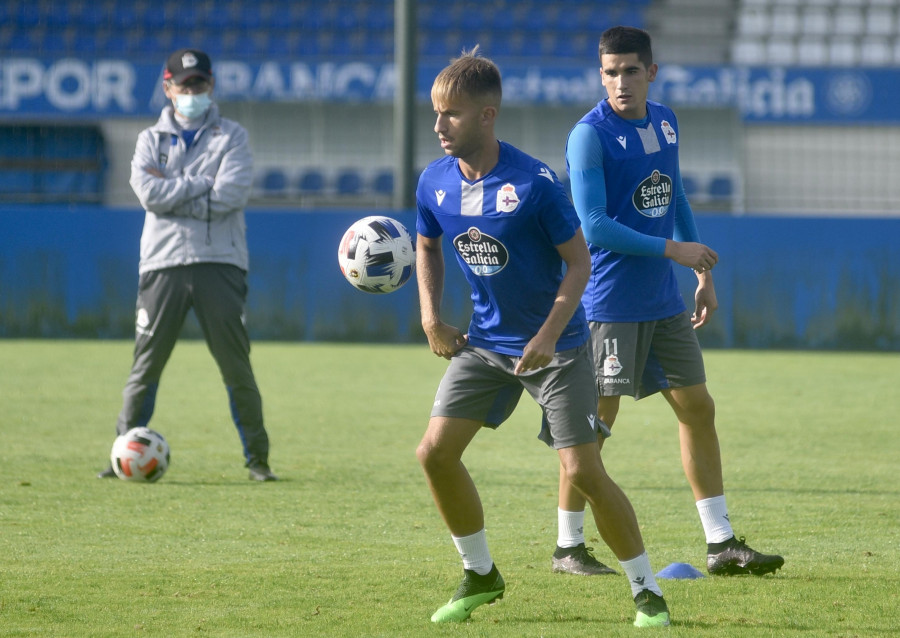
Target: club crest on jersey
{"type": "Point", "coordinates": [669, 132]}
{"type": "Point", "coordinates": [652, 196]}
{"type": "Point", "coordinates": [507, 200]}
{"type": "Point", "coordinates": [483, 254]}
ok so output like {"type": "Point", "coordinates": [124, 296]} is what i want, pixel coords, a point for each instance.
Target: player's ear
{"type": "Point", "coordinates": [488, 114]}
{"type": "Point", "coordinates": [651, 72]}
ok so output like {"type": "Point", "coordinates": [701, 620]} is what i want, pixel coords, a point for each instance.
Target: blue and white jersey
{"type": "Point", "coordinates": [504, 229]}
{"type": "Point", "coordinates": [640, 174]}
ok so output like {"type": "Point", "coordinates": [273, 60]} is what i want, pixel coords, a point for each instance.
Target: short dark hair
{"type": "Point", "coordinates": [619, 40]}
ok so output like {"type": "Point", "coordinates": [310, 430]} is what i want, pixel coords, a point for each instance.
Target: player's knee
{"type": "Point", "coordinates": [584, 477]}
{"type": "Point", "coordinates": [702, 411]}
{"type": "Point", "coordinates": [433, 458]}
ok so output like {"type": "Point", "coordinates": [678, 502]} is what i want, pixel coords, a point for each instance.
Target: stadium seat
{"type": "Point", "coordinates": [875, 52]}
{"type": "Point", "coordinates": [849, 22]}
{"type": "Point", "coordinates": [383, 183]}
{"type": "Point", "coordinates": [815, 21]}
{"type": "Point", "coordinates": [721, 187]}
{"type": "Point", "coordinates": [752, 21]}
{"type": "Point", "coordinates": [843, 51]}
{"type": "Point", "coordinates": [274, 183]}
{"type": "Point", "coordinates": [748, 52]}
{"type": "Point", "coordinates": [785, 21]}
{"type": "Point", "coordinates": [691, 185]}
{"type": "Point", "coordinates": [880, 21]}
{"type": "Point", "coordinates": [16, 183]}
{"type": "Point", "coordinates": [52, 163]}
{"type": "Point", "coordinates": [812, 52]}
{"type": "Point", "coordinates": [311, 182]}
{"type": "Point", "coordinates": [349, 182]}
{"type": "Point", "coordinates": [781, 51]}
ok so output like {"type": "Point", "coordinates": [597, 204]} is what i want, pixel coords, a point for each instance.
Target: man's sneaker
{"type": "Point", "coordinates": [578, 560]}
{"type": "Point", "coordinates": [475, 590]}
{"type": "Point", "coordinates": [107, 473]}
{"type": "Point", "coordinates": [261, 472]}
{"type": "Point", "coordinates": [652, 610]}
{"type": "Point", "coordinates": [734, 556]}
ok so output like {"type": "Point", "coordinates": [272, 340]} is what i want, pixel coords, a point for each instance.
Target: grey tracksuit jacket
{"type": "Point", "coordinates": [196, 215]}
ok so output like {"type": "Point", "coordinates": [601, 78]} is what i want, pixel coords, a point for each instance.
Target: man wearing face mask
{"type": "Point", "coordinates": [192, 172]}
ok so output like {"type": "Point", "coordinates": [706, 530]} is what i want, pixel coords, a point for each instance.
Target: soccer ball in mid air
{"type": "Point", "coordinates": [141, 454]}
{"type": "Point", "coordinates": [377, 254]}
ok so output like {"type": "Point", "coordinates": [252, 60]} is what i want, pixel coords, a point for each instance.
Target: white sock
{"type": "Point", "coordinates": [640, 575]}
{"type": "Point", "coordinates": [474, 552]}
{"type": "Point", "coordinates": [714, 517]}
{"type": "Point", "coordinates": [571, 528]}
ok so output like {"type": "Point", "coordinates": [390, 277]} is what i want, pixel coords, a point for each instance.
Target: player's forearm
{"type": "Point", "coordinates": [568, 298]}
{"type": "Point", "coordinates": [430, 277]}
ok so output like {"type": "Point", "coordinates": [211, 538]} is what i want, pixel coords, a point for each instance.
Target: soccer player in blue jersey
{"type": "Point", "coordinates": [512, 230]}
{"type": "Point", "coordinates": [622, 159]}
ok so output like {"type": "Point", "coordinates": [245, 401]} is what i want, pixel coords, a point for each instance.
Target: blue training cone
{"type": "Point", "coordinates": [680, 571]}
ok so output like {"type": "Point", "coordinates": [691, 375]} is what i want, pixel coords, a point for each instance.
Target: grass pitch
{"type": "Point", "coordinates": [349, 543]}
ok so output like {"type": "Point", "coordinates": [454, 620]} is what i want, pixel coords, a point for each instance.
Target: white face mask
{"type": "Point", "coordinates": [192, 106]}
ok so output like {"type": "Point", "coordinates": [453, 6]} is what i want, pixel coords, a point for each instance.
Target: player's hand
{"type": "Point", "coordinates": [705, 302]}
{"type": "Point", "coordinates": [446, 340]}
{"type": "Point", "coordinates": [537, 354]}
{"type": "Point", "coordinates": [699, 257]}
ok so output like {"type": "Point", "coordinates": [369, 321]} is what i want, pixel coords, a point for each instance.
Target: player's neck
{"type": "Point", "coordinates": [478, 164]}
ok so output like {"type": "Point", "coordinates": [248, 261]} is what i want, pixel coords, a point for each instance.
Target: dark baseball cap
{"type": "Point", "coordinates": [187, 63]}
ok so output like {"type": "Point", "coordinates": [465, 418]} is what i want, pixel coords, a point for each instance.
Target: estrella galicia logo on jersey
{"type": "Point", "coordinates": [669, 132]}
{"type": "Point", "coordinates": [653, 196]}
{"type": "Point", "coordinates": [507, 200]}
{"type": "Point", "coordinates": [484, 254]}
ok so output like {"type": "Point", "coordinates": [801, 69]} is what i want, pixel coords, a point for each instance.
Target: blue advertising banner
{"type": "Point", "coordinates": [781, 282]}
{"type": "Point", "coordinates": [37, 88]}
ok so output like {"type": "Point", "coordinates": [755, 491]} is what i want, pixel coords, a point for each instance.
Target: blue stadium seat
{"type": "Point", "coordinates": [380, 17]}
{"type": "Point", "coordinates": [93, 15]}
{"type": "Point", "coordinates": [24, 42]}
{"type": "Point", "coordinates": [383, 183]}
{"type": "Point", "coordinates": [84, 43]}
{"type": "Point", "coordinates": [124, 16]}
{"type": "Point", "coordinates": [274, 183]}
{"type": "Point", "coordinates": [52, 163]}
{"type": "Point", "coordinates": [349, 182]}
{"type": "Point", "coordinates": [56, 41]}
{"type": "Point", "coordinates": [379, 44]}
{"type": "Point", "coordinates": [691, 185]}
{"type": "Point", "coordinates": [29, 15]}
{"type": "Point", "coordinates": [117, 44]}
{"type": "Point", "coordinates": [721, 187]}
{"type": "Point", "coordinates": [311, 182]}
{"type": "Point", "coordinates": [17, 182]}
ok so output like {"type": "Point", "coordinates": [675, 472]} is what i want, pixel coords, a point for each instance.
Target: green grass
{"type": "Point", "coordinates": [349, 543]}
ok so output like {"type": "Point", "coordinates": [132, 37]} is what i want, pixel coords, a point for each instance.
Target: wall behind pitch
{"type": "Point", "coordinates": [781, 282]}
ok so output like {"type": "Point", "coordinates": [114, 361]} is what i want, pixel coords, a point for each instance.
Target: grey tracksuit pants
{"type": "Point", "coordinates": [217, 293]}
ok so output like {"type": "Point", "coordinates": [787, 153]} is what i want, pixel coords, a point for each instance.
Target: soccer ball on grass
{"type": "Point", "coordinates": [141, 454]}
{"type": "Point", "coordinates": [377, 254]}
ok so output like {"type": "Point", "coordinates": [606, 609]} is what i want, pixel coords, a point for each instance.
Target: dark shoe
{"type": "Point", "coordinates": [261, 472]}
{"type": "Point", "coordinates": [734, 556]}
{"type": "Point", "coordinates": [652, 610]}
{"type": "Point", "coordinates": [475, 590]}
{"type": "Point", "coordinates": [579, 560]}
{"type": "Point", "coordinates": [107, 473]}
